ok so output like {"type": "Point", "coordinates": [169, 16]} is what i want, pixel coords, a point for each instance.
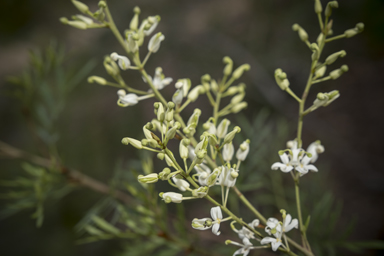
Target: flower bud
{"type": "Point", "coordinates": [154, 42]}
{"type": "Point", "coordinates": [222, 129]}
{"type": "Point", "coordinates": [354, 31]}
{"type": "Point", "coordinates": [135, 20]}
{"type": "Point", "coordinates": [281, 79]}
{"type": "Point", "coordinates": [150, 178]}
{"type": "Point", "coordinates": [212, 178]}
{"type": "Point", "coordinates": [183, 148]}
{"type": "Point", "coordinates": [200, 192]}
{"type": "Point", "coordinates": [318, 7]}
{"type": "Point", "coordinates": [238, 107]}
{"type": "Point", "coordinates": [243, 150]}
{"type": "Point", "coordinates": [164, 175]}
{"type": "Point", "coordinates": [160, 111]}
{"type": "Point", "coordinates": [133, 142]}
{"type": "Point", "coordinates": [229, 137]}
{"type": "Point", "coordinates": [330, 5]}
{"type": "Point", "coordinates": [238, 98]}
{"type": "Point", "coordinates": [240, 70]}
{"type": "Point", "coordinates": [97, 79]}
{"type": "Point", "coordinates": [80, 6]}
{"type": "Point", "coordinates": [214, 86]}
{"type": "Point", "coordinates": [228, 68]}
{"type": "Point", "coordinates": [194, 93]}
{"type": "Point", "coordinates": [302, 34]}
{"type": "Point", "coordinates": [171, 197]}
{"type": "Point", "coordinates": [338, 72]}
{"type": "Point", "coordinates": [202, 224]}
{"type": "Point", "coordinates": [333, 57]}
{"type": "Point", "coordinates": [320, 72]}
{"type": "Point", "coordinates": [228, 151]}
{"type": "Point", "coordinates": [160, 156]}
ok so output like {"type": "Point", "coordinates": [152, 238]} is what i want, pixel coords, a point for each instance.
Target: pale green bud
{"type": "Point", "coordinates": [133, 142]}
{"type": "Point", "coordinates": [200, 192]}
{"type": "Point", "coordinates": [168, 160]}
{"type": "Point", "coordinates": [354, 31]}
{"type": "Point", "coordinates": [150, 178]}
{"type": "Point", "coordinates": [160, 111]}
{"type": "Point", "coordinates": [284, 213]}
{"type": "Point", "coordinates": [320, 38]}
{"type": "Point", "coordinates": [164, 175]}
{"type": "Point", "coordinates": [194, 93]}
{"type": "Point", "coordinates": [333, 95]}
{"type": "Point", "coordinates": [330, 5]}
{"type": "Point", "coordinates": [338, 72]}
{"type": "Point", "coordinates": [169, 115]}
{"type": "Point", "coordinates": [240, 70]}
{"type": "Point", "coordinates": [160, 156]}
{"type": "Point", "coordinates": [212, 178]}
{"type": "Point", "coordinates": [320, 72]}
{"type": "Point", "coordinates": [212, 140]}
{"type": "Point", "coordinates": [333, 57]}
{"type": "Point", "coordinates": [194, 119]}
{"type": "Point", "coordinates": [135, 20]}
{"type": "Point", "coordinates": [281, 79]}
{"type": "Point", "coordinates": [183, 148]}
{"type": "Point", "coordinates": [214, 86]}
{"type": "Point", "coordinates": [227, 242]}
{"type": "Point", "coordinates": [318, 7]}
{"type": "Point", "coordinates": [231, 135]}
{"type": "Point", "coordinates": [228, 68]}
{"type": "Point", "coordinates": [154, 42]}
{"type": "Point", "coordinates": [77, 24]}
{"type": "Point", "coordinates": [234, 174]}
{"type": "Point", "coordinates": [238, 107]}
{"type": "Point", "coordinates": [302, 34]}
{"type": "Point", "coordinates": [237, 99]}
{"type": "Point", "coordinates": [172, 132]}
{"type": "Point", "coordinates": [97, 79]}
{"type": "Point", "coordinates": [80, 6]}
{"type": "Point", "coordinates": [316, 51]}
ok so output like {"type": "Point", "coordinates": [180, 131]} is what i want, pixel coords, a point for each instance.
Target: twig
{"type": "Point", "coordinates": [71, 174]}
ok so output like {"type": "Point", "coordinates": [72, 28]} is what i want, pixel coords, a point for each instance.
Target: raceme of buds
{"type": "Point", "coordinates": [333, 57]}
{"type": "Point", "coordinates": [338, 72]}
{"type": "Point", "coordinates": [302, 34]}
{"type": "Point", "coordinates": [150, 178]}
{"type": "Point", "coordinates": [154, 42]}
{"type": "Point", "coordinates": [97, 79]}
{"type": "Point", "coordinates": [281, 79]}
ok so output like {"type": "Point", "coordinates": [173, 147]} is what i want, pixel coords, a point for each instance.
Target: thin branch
{"type": "Point", "coordinates": [72, 175]}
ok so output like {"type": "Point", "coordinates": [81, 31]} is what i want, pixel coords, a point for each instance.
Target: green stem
{"type": "Point", "coordinates": [334, 38]}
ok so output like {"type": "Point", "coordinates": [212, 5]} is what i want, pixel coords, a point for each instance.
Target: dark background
{"type": "Point", "coordinates": [198, 34]}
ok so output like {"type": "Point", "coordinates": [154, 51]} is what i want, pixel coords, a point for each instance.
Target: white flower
{"type": "Point", "coordinates": [203, 172]}
{"type": "Point", "coordinates": [227, 177]}
{"type": "Point", "coordinates": [173, 197]}
{"type": "Point", "coordinates": [228, 151]}
{"type": "Point", "coordinates": [245, 247]}
{"type": "Point", "coordinates": [245, 232]}
{"type": "Point", "coordinates": [275, 242]}
{"type": "Point", "coordinates": [131, 43]}
{"type": "Point", "coordinates": [217, 216]}
{"type": "Point", "coordinates": [159, 80]}
{"type": "Point", "coordinates": [154, 42]}
{"type": "Point", "coordinates": [289, 224]}
{"type": "Point", "coordinates": [182, 86]}
{"type": "Point", "coordinates": [123, 61]}
{"type": "Point", "coordinates": [206, 223]}
{"type": "Point", "coordinates": [202, 224]}
{"type": "Point", "coordinates": [181, 184]}
{"type": "Point", "coordinates": [153, 21]}
{"type": "Point", "coordinates": [285, 166]}
{"type": "Point", "coordinates": [243, 150]}
{"type": "Point", "coordinates": [304, 166]}
{"type": "Point", "coordinates": [273, 226]}
{"type": "Point", "coordinates": [126, 100]}
{"type": "Point", "coordinates": [315, 148]}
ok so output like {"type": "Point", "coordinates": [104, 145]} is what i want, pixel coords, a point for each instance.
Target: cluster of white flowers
{"type": "Point", "coordinates": [298, 159]}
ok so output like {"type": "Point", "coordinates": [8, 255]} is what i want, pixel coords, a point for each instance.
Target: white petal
{"type": "Point", "coordinates": [312, 168]}
{"type": "Point", "coordinates": [275, 245]}
{"type": "Point", "coordinates": [216, 213]}
{"type": "Point", "coordinates": [215, 229]}
{"type": "Point", "coordinates": [284, 158]}
{"type": "Point", "coordinates": [293, 224]}
{"type": "Point", "coordinates": [267, 240]}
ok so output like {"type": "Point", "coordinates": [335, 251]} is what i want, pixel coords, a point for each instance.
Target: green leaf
{"type": "Point", "coordinates": [101, 223]}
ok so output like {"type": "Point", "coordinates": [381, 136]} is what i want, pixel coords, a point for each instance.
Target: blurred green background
{"type": "Point", "coordinates": [198, 34]}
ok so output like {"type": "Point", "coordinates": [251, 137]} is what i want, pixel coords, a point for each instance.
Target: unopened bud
{"type": "Point", "coordinates": [333, 57]}
{"type": "Point", "coordinates": [80, 6]}
{"type": "Point", "coordinates": [240, 70]}
{"type": "Point", "coordinates": [136, 143]}
{"type": "Point", "coordinates": [230, 136]}
{"type": "Point", "coordinates": [302, 34]}
{"type": "Point", "coordinates": [330, 5]}
{"type": "Point", "coordinates": [97, 79]}
{"type": "Point", "coordinates": [150, 178]}
{"type": "Point", "coordinates": [228, 68]}
{"type": "Point", "coordinates": [318, 7]}
{"type": "Point", "coordinates": [338, 72]}
{"type": "Point", "coordinates": [281, 79]}
{"type": "Point", "coordinates": [238, 107]}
